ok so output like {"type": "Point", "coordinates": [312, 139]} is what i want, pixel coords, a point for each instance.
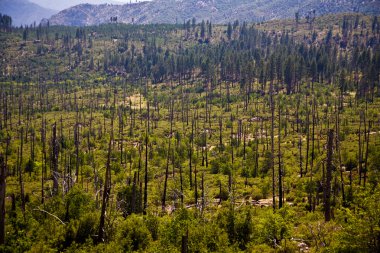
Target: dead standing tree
{"type": "Point", "coordinates": [2, 199]}
{"type": "Point", "coordinates": [107, 187]}
{"type": "Point", "coordinates": [54, 159]}
{"type": "Point", "coordinates": [329, 167]}
{"type": "Point", "coordinates": [3, 176]}
{"type": "Point", "coordinates": [146, 173]}
{"type": "Point", "coordinates": [21, 181]}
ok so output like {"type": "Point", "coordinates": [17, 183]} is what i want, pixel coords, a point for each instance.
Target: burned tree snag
{"type": "Point", "coordinates": [21, 180]}
{"type": "Point", "coordinates": [329, 165]}
{"type": "Point", "coordinates": [54, 159]}
{"type": "Point", "coordinates": [77, 158]}
{"type": "Point", "coordinates": [163, 203]}
{"type": "Point", "coordinates": [280, 183]}
{"type": "Point", "coordinates": [43, 172]}
{"type": "Point", "coordinates": [146, 174]}
{"type": "Point", "coordinates": [272, 147]}
{"type": "Point", "coordinates": [107, 188]}
{"type": "Point", "coordinates": [3, 175]}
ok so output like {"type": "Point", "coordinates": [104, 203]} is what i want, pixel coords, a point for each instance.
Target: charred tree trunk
{"type": "Point", "coordinates": [307, 136]}
{"type": "Point", "coordinates": [77, 158]}
{"type": "Point", "coordinates": [272, 147]}
{"type": "Point", "coordinates": [3, 174]}
{"type": "Point", "coordinates": [185, 238]}
{"type": "Point", "coordinates": [329, 165]}
{"type": "Point", "coordinates": [300, 154]}
{"type": "Point", "coordinates": [43, 172]}
{"type": "Point", "coordinates": [366, 154]}
{"type": "Point", "coordinates": [181, 182]}
{"type": "Point", "coordinates": [220, 135]}
{"type": "Point", "coordinates": [21, 181]}
{"type": "Point", "coordinates": [280, 197]}
{"type": "Point", "coordinates": [196, 183]}
{"type": "Point", "coordinates": [191, 154]}
{"type": "Point", "coordinates": [360, 157]}
{"type": "Point", "coordinates": [146, 174]}
{"type": "Point", "coordinates": [203, 190]}
{"type": "Point", "coordinates": [107, 188]}
{"type": "Point", "coordinates": [340, 158]}
{"type": "Point", "coordinates": [54, 159]}
{"type": "Point", "coordinates": [163, 201]}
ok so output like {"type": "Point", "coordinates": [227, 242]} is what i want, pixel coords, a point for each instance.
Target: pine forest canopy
{"type": "Point", "coordinates": [192, 137]}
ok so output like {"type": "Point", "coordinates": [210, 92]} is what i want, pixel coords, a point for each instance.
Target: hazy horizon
{"type": "Point", "coordinates": [64, 4]}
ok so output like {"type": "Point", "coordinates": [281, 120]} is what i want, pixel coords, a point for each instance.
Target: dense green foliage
{"type": "Point", "coordinates": [193, 138]}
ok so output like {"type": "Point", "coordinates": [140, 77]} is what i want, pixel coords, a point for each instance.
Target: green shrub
{"type": "Point", "coordinates": [133, 234]}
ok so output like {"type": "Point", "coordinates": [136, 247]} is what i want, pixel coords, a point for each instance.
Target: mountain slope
{"type": "Point", "coordinates": [61, 5]}
{"type": "Point", "coordinates": [218, 11]}
{"type": "Point", "coordinates": [24, 12]}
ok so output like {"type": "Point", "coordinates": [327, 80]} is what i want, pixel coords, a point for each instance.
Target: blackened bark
{"type": "Point", "coordinates": [280, 197]}
{"type": "Point", "coordinates": [327, 189]}
{"type": "Point", "coordinates": [107, 188]}
{"type": "Point", "coordinates": [185, 238]}
{"type": "Point", "coordinates": [21, 181]}
{"type": "Point", "coordinates": [163, 200]}
{"type": "Point", "coordinates": [272, 147]}
{"type": "Point", "coordinates": [3, 175]}
{"type": "Point", "coordinates": [146, 174]}
{"type": "Point", "coordinates": [54, 159]}
{"type": "Point", "coordinates": [181, 182]}
{"type": "Point", "coordinates": [43, 172]}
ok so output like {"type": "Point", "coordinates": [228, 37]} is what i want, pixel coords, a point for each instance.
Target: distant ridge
{"type": "Point", "coordinates": [24, 12]}
{"type": "Point", "coordinates": [60, 5]}
{"type": "Point", "coordinates": [218, 11]}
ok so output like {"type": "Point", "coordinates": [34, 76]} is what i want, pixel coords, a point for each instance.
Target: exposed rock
{"type": "Point", "coordinates": [218, 11]}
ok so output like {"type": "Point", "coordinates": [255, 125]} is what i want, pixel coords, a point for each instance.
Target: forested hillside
{"type": "Point", "coordinates": [191, 138]}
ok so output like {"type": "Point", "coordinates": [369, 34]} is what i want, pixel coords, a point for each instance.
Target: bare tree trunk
{"type": "Point", "coordinates": [134, 188]}
{"type": "Point", "coordinates": [203, 190]}
{"type": "Point", "coordinates": [327, 188]}
{"type": "Point", "coordinates": [3, 175]}
{"type": "Point", "coordinates": [196, 183]}
{"type": "Point", "coordinates": [21, 182]}
{"type": "Point", "coordinates": [54, 159]}
{"type": "Point", "coordinates": [107, 188]}
{"type": "Point", "coordinates": [206, 149]}
{"type": "Point", "coordinates": [300, 154]}
{"type": "Point", "coordinates": [185, 238]}
{"type": "Point", "coordinates": [191, 154]}
{"type": "Point", "coordinates": [163, 202]}
{"type": "Point", "coordinates": [280, 197]}
{"type": "Point", "coordinates": [307, 136]}
{"type": "Point", "coordinates": [340, 158]}
{"type": "Point", "coordinates": [272, 147]}
{"type": "Point", "coordinates": [366, 154]}
{"type": "Point", "coordinates": [220, 135]}
{"type": "Point", "coordinates": [181, 182]}
{"type": "Point", "coordinates": [360, 158]}
{"type": "Point", "coordinates": [146, 174]}
{"type": "Point", "coordinates": [77, 159]}
{"type": "Point", "coordinates": [256, 155]}
{"type": "Point", "coordinates": [43, 172]}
